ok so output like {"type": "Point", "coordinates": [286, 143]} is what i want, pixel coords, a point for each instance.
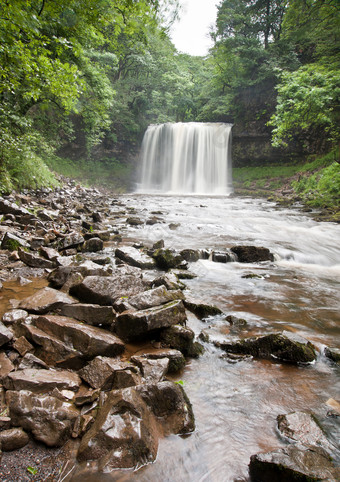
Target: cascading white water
{"type": "Point", "coordinates": [186, 158]}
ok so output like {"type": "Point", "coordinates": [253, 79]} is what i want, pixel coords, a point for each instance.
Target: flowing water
{"type": "Point", "coordinates": [236, 405]}
{"type": "Point", "coordinates": [190, 157]}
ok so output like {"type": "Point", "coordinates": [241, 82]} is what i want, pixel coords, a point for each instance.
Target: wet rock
{"type": "Point", "coordinates": [233, 358]}
{"type": "Point", "coordinates": [89, 340]}
{"type": "Point", "coordinates": [293, 464]}
{"type": "Point", "coordinates": [124, 434]}
{"type": "Point", "coordinates": [252, 254]}
{"type": "Point", "coordinates": [86, 396]}
{"type": "Point", "coordinates": [13, 439]}
{"type": "Point", "coordinates": [235, 321]}
{"type": "Point", "coordinates": [158, 244]}
{"type": "Point", "coordinates": [6, 335]}
{"type": "Point", "coordinates": [176, 359]}
{"type": "Point", "coordinates": [221, 257]}
{"type": "Point", "coordinates": [71, 241]}
{"type": "Point", "coordinates": [5, 423]}
{"type": "Point", "coordinates": [182, 339]}
{"type": "Point", "coordinates": [135, 257]}
{"type": "Point", "coordinates": [6, 366]}
{"type": "Point", "coordinates": [200, 309]}
{"type": "Point", "coordinates": [190, 255]}
{"type": "Point", "coordinates": [131, 325]}
{"type": "Point", "coordinates": [134, 221]}
{"type": "Point", "coordinates": [167, 259]}
{"type": "Point", "coordinates": [13, 242]}
{"type": "Point", "coordinates": [95, 315]}
{"type": "Point", "coordinates": [41, 380]}
{"type": "Point", "coordinates": [152, 370]}
{"type": "Point", "coordinates": [52, 350]}
{"type": "Point", "coordinates": [93, 245]}
{"type": "Point", "coordinates": [103, 235]}
{"type": "Point", "coordinates": [170, 281]}
{"type": "Point", "coordinates": [45, 300]}
{"type": "Point", "coordinates": [106, 290]}
{"type": "Point", "coordinates": [49, 253]}
{"type": "Point", "coordinates": [31, 361]}
{"type": "Point", "coordinates": [333, 354]}
{"type": "Point", "coordinates": [183, 274]}
{"type": "Point", "coordinates": [34, 261]}
{"type": "Point", "coordinates": [106, 373]}
{"type": "Point", "coordinates": [169, 403]}
{"type": "Point", "coordinates": [174, 226]}
{"type": "Point", "coordinates": [49, 419]}
{"type": "Point", "coordinates": [22, 346]}
{"type": "Point", "coordinates": [286, 346]}
{"type": "Point", "coordinates": [303, 427]}
{"type": "Point", "coordinates": [7, 207]}
{"type": "Point", "coordinates": [154, 297]}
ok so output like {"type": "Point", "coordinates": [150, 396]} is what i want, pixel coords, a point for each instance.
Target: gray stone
{"type": "Point", "coordinates": [221, 257]}
{"type": "Point", "coordinates": [135, 257]}
{"type": "Point", "coordinates": [91, 341]}
{"type": "Point", "coordinates": [7, 207]}
{"type": "Point", "coordinates": [49, 419]}
{"type": "Point", "coordinates": [13, 439]}
{"type": "Point", "coordinates": [31, 361]}
{"type": "Point", "coordinates": [45, 300]}
{"type": "Point", "coordinates": [201, 309]}
{"type": "Point", "coordinates": [152, 370]}
{"type": "Point", "coordinates": [41, 381]}
{"type": "Point", "coordinates": [37, 243]}
{"type": "Point", "coordinates": [293, 464]}
{"type": "Point", "coordinates": [131, 325]}
{"type": "Point", "coordinates": [93, 245]}
{"type": "Point", "coordinates": [155, 297]}
{"type": "Point", "coordinates": [175, 357]}
{"type": "Point", "coordinates": [13, 242]}
{"type": "Point", "coordinates": [191, 255]}
{"type": "Point", "coordinates": [106, 290]}
{"type": "Point", "coordinates": [181, 338]}
{"type": "Point", "coordinates": [95, 315]}
{"type": "Point", "coordinates": [72, 240]}
{"type": "Point", "coordinates": [34, 261]}
{"type": "Point", "coordinates": [170, 281]}
{"type": "Point", "coordinates": [49, 253]}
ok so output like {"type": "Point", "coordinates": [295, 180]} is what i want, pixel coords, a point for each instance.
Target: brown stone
{"type": "Point", "coordinates": [6, 366]}
{"type": "Point", "coordinates": [41, 380]}
{"type": "Point", "coordinates": [95, 315]}
{"type": "Point", "coordinates": [13, 439]}
{"type": "Point", "coordinates": [22, 346]}
{"type": "Point", "coordinates": [45, 300]}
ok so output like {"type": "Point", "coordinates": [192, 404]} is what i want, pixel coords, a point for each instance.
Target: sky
{"type": "Point", "coordinates": [191, 33]}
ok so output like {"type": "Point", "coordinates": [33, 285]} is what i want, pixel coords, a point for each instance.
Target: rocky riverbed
{"type": "Point", "coordinates": [88, 360]}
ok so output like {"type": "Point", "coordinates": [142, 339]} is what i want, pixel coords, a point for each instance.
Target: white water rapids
{"type": "Point", "coordinates": [186, 158]}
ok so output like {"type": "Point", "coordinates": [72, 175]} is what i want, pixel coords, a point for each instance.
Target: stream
{"type": "Point", "coordinates": [236, 405]}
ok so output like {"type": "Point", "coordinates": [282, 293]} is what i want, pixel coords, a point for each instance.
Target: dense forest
{"type": "Point", "coordinates": [80, 81]}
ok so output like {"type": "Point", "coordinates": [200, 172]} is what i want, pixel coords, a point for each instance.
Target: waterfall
{"type": "Point", "coordinates": [186, 158]}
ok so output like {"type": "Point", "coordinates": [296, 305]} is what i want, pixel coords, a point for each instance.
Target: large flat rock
{"type": "Point", "coordinates": [132, 324]}
{"type": "Point", "coordinates": [91, 341]}
{"type": "Point", "coordinates": [41, 381]}
{"type": "Point", "coordinates": [45, 300]}
{"type": "Point", "coordinates": [155, 297]}
{"type": "Point", "coordinates": [135, 257]}
{"type": "Point", "coordinates": [95, 315]}
{"type": "Point", "coordinates": [106, 290]}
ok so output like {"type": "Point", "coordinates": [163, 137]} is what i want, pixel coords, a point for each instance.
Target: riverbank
{"type": "Point", "coordinates": [124, 312]}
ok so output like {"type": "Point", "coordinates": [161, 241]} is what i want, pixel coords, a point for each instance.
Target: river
{"type": "Point", "coordinates": [236, 404]}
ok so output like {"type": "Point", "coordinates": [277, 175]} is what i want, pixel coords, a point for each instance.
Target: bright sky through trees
{"type": "Point", "coordinates": [191, 33]}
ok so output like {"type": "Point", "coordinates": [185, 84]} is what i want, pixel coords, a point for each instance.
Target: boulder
{"type": "Point", "coordinates": [181, 338]}
{"type": "Point", "coordinates": [49, 253]}
{"type": "Point", "coordinates": [293, 464]}
{"type": "Point", "coordinates": [133, 324]}
{"type": "Point", "coordinates": [135, 257]}
{"type": "Point", "coordinates": [176, 359]}
{"type": "Point", "coordinates": [134, 221]}
{"type": "Point", "coordinates": [286, 346]}
{"type": "Point", "coordinates": [45, 300]}
{"type": "Point", "coordinates": [154, 297]}
{"type": "Point", "coordinates": [93, 245]}
{"type": "Point", "coordinates": [170, 281]}
{"type": "Point", "coordinates": [91, 341]}
{"type": "Point", "coordinates": [167, 259]}
{"type": "Point", "coordinates": [14, 316]}
{"type": "Point", "coordinates": [40, 381]}
{"type": "Point", "coordinates": [72, 240]}
{"type": "Point", "coordinates": [252, 254]}
{"type": "Point", "coordinates": [6, 335]}
{"type": "Point", "coordinates": [105, 373]}
{"type": "Point", "coordinates": [13, 242]}
{"type": "Point", "coordinates": [152, 370]}
{"type": "Point", "coordinates": [169, 403]}
{"type": "Point", "coordinates": [95, 315]}
{"type": "Point", "coordinates": [13, 439]}
{"type": "Point", "coordinates": [34, 261]}
{"type": "Point", "coordinates": [106, 290]}
{"type": "Point", "coordinates": [190, 255]}
{"type": "Point", "coordinates": [200, 309]}
{"type": "Point", "coordinates": [333, 354]}
{"type": "Point", "coordinates": [59, 276]}
{"type": "Point", "coordinates": [124, 434]}
{"type": "Point", "coordinates": [221, 257]}
{"type": "Point", "coordinates": [303, 427]}
{"type": "Point", "coordinates": [49, 419]}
